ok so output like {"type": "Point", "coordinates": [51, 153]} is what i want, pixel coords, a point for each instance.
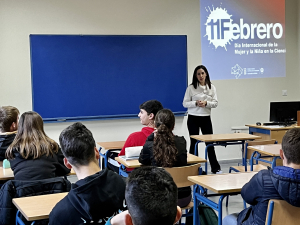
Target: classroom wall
{"type": "Point", "coordinates": [240, 101]}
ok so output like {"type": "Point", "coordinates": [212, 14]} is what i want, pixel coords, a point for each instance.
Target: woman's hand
{"type": "Point", "coordinates": [201, 103]}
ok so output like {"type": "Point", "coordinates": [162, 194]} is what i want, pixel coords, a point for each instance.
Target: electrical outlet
{"type": "Point", "coordinates": [284, 92]}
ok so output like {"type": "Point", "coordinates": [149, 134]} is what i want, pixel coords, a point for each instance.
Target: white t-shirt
{"type": "Point", "coordinates": [202, 93]}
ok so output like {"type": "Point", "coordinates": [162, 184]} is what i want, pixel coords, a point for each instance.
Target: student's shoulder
{"type": "Point", "coordinates": [261, 177]}
{"type": "Point", "coordinates": [179, 139]}
{"type": "Point", "coordinates": [60, 211]}
{"type": "Point", "coordinates": [135, 138]}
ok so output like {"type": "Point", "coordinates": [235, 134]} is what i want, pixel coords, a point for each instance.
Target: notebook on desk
{"type": "Point", "coordinates": [132, 153]}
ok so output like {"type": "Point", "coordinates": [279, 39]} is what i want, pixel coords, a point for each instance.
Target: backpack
{"type": "Point", "coordinates": [207, 216]}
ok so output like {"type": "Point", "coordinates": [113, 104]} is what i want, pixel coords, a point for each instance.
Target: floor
{"type": "Point", "coordinates": [235, 202]}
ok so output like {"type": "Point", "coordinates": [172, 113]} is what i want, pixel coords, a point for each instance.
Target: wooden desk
{"type": "Point", "coordinates": [7, 174]}
{"type": "Point", "coordinates": [191, 159]}
{"type": "Point", "coordinates": [225, 137]}
{"type": "Point", "coordinates": [271, 150]}
{"type": "Point", "coordinates": [111, 145]}
{"type": "Point", "coordinates": [269, 132]}
{"type": "Point", "coordinates": [223, 184]}
{"type": "Point", "coordinates": [223, 140]}
{"type": "Point", "coordinates": [107, 146]}
{"type": "Point", "coordinates": [268, 150]}
{"type": "Point", "coordinates": [38, 207]}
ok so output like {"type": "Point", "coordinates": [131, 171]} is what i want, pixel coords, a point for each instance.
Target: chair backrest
{"type": "Point", "coordinates": [261, 142]}
{"type": "Point", "coordinates": [282, 213]}
{"type": "Point", "coordinates": [18, 188]}
{"type": "Point", "coordinates": [180, 174]}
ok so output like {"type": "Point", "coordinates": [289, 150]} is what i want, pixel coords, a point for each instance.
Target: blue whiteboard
{"type": "Point", "coordinates": [78, 77]}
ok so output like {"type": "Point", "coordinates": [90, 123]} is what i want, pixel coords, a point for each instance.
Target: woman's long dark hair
{"type": "Point", "coordinates": [196, 82]}
{"type": "Point", "coordinates": [164, 149]}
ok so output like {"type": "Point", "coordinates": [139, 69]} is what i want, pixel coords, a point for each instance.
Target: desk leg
{"type": "Point", "coordinates": [122, 171]}
{"type": "Point", "coordinates": [196, 148]}
{"type": "Point", "coordinates": [251, 160]}
{"type": "Point", "coordinates": [206, 155]}
{"type": "Point", "coordinates": [200, 198]}
{"type": "Point", "coordinates": [220, 209]}
{"type": "Point", "coordinates": [243, 158]}
{"type": "Point", "coordinates": [195, 208]}
{"type": "Point", "coordinates": [102, 155]}
{"type": "Point", "coordinates": [274, 161]}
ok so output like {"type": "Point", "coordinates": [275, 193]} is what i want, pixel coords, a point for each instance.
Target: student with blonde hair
{"type": "Point", "coordinates": [32, 154]}
{"type": "Point", "coordinates": [9, 116]}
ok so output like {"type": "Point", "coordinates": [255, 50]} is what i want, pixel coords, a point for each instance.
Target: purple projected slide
{"type": "Point", "coordinates": [243, 38]}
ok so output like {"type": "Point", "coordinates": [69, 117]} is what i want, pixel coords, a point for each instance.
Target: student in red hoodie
{"type": "Point", "coordinates": [147, 115]}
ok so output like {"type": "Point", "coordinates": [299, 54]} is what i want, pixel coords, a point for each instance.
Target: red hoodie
{"type": "Point", "coordinates": [137, 139]}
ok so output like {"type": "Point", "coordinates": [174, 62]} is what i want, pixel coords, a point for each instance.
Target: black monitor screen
{"type": "Point", "coordinates": [284, 111]}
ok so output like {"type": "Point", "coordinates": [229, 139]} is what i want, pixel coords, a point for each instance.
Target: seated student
{"type": "Point", "coordinates": [282, 182]}
{"type": "Point", "coordinates": [97, 195]}
{"type": "Point", "coordinates": [32, 154]}
{"type": "Point", "coordinates": [147, 114]}
{"type": "Point", "coordinates": [9, 117]}
{"type": "Point", "coordinates": [148, 111]}
{"type": "Point", "coordinates": [151, 197]}
{"type": "Point", "coordinates": [165, 149]}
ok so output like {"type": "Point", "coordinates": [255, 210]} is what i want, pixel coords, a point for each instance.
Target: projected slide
{"type": "Point", "coordinates": [242, 39]}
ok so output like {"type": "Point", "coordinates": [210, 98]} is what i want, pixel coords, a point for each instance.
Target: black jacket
{"type": "Point", "coordinates": [15, 189]}
{"type": "Point", "coordinates": [147, 158]}
{"type": "Point", "coordinates": [38, 169]}
{"type": "Point", "coordinates": [280, 183]}
{"type": "Point", "coordinates": [5, 141]}
{"type": "Point", "coordinates": [95, 198]}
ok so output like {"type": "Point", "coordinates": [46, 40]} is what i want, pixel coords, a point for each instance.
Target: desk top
{"type": "Point", "coordinates": [38, 207]}
{"type": "Point", "coordinates": [223, 183]}
{"type": "Point", "coordinates": [135, 163]}
{"type": "Point", "coordinates": [225, 137]}
{"type": "Point", "coordinates": [271, 150]}
{"type": "Point", "coordinates": [271, 127]}
{"type": "Point", "coordinates": [7, 174]}
{"type": "Point", "coordinates": [111, 145]}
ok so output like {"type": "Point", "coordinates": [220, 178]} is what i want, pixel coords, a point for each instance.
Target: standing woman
{"type": "Point", "coordinates": [32, 154]}
{"type": "Point", "coordinates": [199, 98]}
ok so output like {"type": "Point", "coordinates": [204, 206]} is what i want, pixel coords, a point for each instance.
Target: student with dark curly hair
{"type": "Point", "coordinates": [164, 149]}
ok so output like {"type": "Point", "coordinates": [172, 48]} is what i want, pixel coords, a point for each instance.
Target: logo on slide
{"type": "Point", "coordinates": [237, 71]}
{"type": "Point", "coordinates": [220, 29]}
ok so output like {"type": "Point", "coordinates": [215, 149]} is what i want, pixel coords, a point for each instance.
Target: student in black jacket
{"type": "Point", "coordinates": [164, 149]}
{"type": "Point", "coordinates": [97, 195]}
{"type": "Point", "coordinates": [9, 117]}
{"type": "Point", "coordinates": [33, 155]}
{"type": "Point", "coordinates": [282, 182]}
